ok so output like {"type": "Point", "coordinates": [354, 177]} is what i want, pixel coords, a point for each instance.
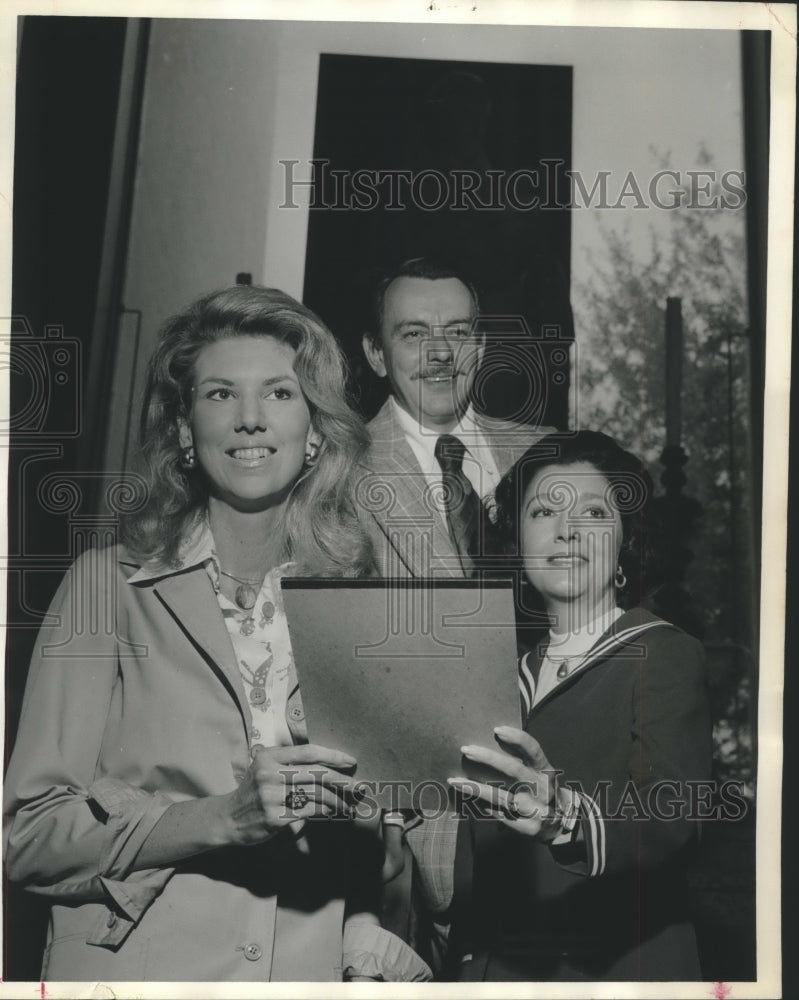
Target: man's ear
{"type": "Point", "coordinates": [185, 437]}
{"type": "Point", "coordinates": [374, 355]}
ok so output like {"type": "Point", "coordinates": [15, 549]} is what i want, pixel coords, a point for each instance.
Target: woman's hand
{"type": "Point", "coordinates": [286, 784]}
{"type": "Point", "coordinates": [532, 804]}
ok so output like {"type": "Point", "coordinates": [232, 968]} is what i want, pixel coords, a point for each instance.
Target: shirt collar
{"type": "Point", "coordinates": [196, 549]}
{"type": "Point", "coordinates": [581, 640]}
{"type": "Point", "coordinates": [466, 429]}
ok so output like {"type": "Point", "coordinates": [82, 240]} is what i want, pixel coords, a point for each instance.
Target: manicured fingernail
{"type": "Point", "coordinates": [505, 733]}
{"type": "Point", "coordinates": [468, 750]}
{"type": "Point", "coordinates": [456, 781]}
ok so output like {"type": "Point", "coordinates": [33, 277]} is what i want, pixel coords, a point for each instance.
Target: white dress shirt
{"type": "Point", "coordinates": [479, 466]}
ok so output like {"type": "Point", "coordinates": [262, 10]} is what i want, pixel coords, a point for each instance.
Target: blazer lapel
{"type": "Point", "coordinates": [624, 632]}
{"type": "Point", "coordinates": [508, 441]}
{"type": "Point", "coordinates": [406, 511]}
{"type": "Point", "coordinates": [190, 598]}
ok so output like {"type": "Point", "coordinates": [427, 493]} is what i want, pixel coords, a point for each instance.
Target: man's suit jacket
{"type": "Point", "coordinates": [409, 531]}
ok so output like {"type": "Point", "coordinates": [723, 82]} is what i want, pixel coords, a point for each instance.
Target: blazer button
{"type": "Point", "coordinates": [253, 951]}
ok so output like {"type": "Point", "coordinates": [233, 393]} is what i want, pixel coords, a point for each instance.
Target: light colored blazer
{"type": "Point", "coordinates": [134, 701]}
{"type": "Point", "coordinates": [409, 532]}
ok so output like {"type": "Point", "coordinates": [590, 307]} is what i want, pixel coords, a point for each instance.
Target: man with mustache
{"type": "Point", "coordinates": [434, 462]}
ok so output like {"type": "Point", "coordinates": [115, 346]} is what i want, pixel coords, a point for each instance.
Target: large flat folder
{"type": "Point", "coordinates": [401, 674]}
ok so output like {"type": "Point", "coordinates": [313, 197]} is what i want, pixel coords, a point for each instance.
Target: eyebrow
{"type": "Point", "coordinates": [217, 380]}
{"type": "Point", "coordinates": [582, 498]}
{"type": "Point", "coordinates": [466, 321]}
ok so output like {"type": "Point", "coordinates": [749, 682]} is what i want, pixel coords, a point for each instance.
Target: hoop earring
{"type": "Point", "coordinates": [312, 454]}
{"type": "Point", "coordinates": [188, 459]}
{"type": "Point", "coordinates": [620, 579]}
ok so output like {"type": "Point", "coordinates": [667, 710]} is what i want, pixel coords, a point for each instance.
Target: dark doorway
{"type": "Point", "coordinates": [459, 161]}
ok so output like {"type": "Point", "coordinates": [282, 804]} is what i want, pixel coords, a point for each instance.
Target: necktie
{"type": "Point", "coordinates": [461, 503]}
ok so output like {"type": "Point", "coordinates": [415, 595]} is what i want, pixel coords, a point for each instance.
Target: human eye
{"type": "Point", "coordinates": [461, 332]}
{"type": "Point", "coordinates": [218, 395]}
{"type": "Point", "coordinates": [540, 510]}
{"type": "Point", "coordinates": [597, 511]}
{"type": "Point", "coordinates": [280, 392]}
{"type": "Point", "coordinates": [414, 333]}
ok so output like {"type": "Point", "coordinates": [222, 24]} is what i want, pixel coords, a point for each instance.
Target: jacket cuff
{"type": "Point", "coordinates": [432, 844]}
{"type": "Point", "coordinates": [588, 855]}
{"type": "Point", "coordinates": [372, 951]}
{"type": "Point", "coordinates": [131, 814]}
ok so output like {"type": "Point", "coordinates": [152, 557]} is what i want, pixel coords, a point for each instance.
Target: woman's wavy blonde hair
{"type": "Point", "coordinates": [323, 532]}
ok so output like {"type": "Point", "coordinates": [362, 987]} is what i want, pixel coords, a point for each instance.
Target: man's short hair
{"type": "Point", "coordinates": [416, 267]}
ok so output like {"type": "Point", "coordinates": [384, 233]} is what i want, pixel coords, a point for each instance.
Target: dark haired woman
{"type": "Point", "coordinates": [161, 785]}
{"type": "Point", "coordinates": [580, 877]}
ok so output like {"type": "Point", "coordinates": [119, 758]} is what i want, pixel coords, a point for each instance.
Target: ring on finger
{"type": "Point", "coordinates": [297, 798]}
{"type": "Point", "coordinates": [512, 809]}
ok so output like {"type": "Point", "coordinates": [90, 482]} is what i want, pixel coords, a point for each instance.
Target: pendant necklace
{"type": "Point", "coordinates": [246, 592]}
{"type": "Point", "coordinates": [563, 668]}
{"type": "Point", "coordinates": [563, 663]}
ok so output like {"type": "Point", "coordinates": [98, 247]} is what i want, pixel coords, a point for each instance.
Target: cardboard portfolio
{"type": "Point", "coordinates": [401, 674]}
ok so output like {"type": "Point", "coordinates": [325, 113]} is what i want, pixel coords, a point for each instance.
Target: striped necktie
{"type": "Point", "coordinates": [461, 503]}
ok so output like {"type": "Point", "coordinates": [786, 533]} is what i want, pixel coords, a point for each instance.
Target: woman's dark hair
{"type": "Point", "coordinates": [630, 488]}
{"type": "Point", "coordinates": [322, 530]}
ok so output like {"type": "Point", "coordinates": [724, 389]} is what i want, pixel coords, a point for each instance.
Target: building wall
{"type": "Point", "coordinates": [225, 101]}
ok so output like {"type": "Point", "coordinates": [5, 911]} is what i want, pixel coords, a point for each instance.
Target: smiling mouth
{"type": "Point", "coordinates": [438, 375]}
{"type": "Point", "coordinates": [250, 454]}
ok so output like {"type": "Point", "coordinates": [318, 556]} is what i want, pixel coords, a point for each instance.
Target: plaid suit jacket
{"type": "Point", "coordinates": [409, 531]}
